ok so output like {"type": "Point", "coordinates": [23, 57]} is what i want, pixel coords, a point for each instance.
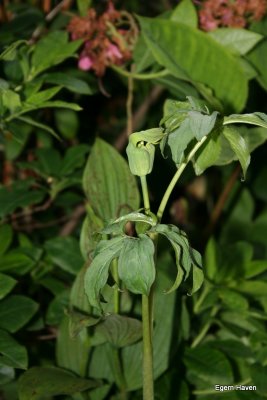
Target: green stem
{"type": "Point", "coordinates": [148, 381]}
{"type": "Point", "coordinates": [145, 193]}
{"type": "Point", "coordinates": [116, 296]}
{"type": "Point", "coordinates": [205, 328]}
{"type": "Point", "coordinates": [152, 75]}
{"type": "Point", "coordinates": [175, 178]}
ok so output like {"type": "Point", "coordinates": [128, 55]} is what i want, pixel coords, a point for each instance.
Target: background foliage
{"type": "Point", "coordinates": [61, 183]}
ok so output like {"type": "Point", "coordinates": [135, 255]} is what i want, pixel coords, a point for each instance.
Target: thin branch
{"type": "Point", "coordinates": [69, 227]}
{"type": "Point", "coordinates": [218, 209]}
{"type": "Point", "coordinates": [139, 115]}
{"type": "Point", "coordinates": [129, 106]}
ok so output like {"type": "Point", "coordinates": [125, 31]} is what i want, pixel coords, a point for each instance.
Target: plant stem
{"type": "Point", "coordinates": [175, 178]}
{"type": "Point", "coordinates": [152, 75]}
{"type": "Point", "coordinates": [116, 296]}
{"type": "Point", "coordinates": [148, 381]}
{"type": "Point", "coordinates": [205, 328]}
{"type": "Point", "coordinates": [145, 193]}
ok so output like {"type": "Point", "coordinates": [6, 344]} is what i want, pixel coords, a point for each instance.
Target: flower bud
{"type": "Point", "coordinates": [141, 158]}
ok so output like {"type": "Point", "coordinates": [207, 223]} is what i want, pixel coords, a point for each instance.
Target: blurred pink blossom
{"type": "Point", "coordinates": [85, 63]}
{"type": "Point", "coordinates": [113, 52]}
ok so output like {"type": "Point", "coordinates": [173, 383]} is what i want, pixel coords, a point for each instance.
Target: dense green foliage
{"type": "Point", "coordinates": [79, 243]}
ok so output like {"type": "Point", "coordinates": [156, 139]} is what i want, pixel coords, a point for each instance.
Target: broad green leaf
{"type": "Point", "coordinates": [16, 311]}
{"type": "Point", "coordinates": [237, 40]}
{"type": "Point", "coordinates": [254, 268]}
{"type": "Point", "coordinates": [259, 62]}
{"type": "Point", "coordinates": [37, 99]}
{"type": "Point", "coordinates": [232, 348]}
{"type": "Point", "coordinates": [12, 353]}
{"type": "Point", "coordinates": [197, 276]}
{"type": "Point", "coordinates": [201, 125]}
{"type": "Point", "coordinates": [258, 375]}
{"type": "Point", "coordinates": [16, 195]}
{"type": "Point", "coordinates": [136, 264]}
{"type": "Point", "coordinates": [69, 82]}
{"type": "Point", "coordinates": [20, 261]}
{"type": "Point", "coordinates": [92, 225]}
{"type": "Point", "coordinates": [257, 118]}
{"type": "Point", "coordinates": [120, 331]}
{"type": "Point", "coordinates": [41, 382]}
{"type": "Point", "coordinates": [6, 235]}
{"type": "Point", "coordinates": [179, 139]}
{"type": "Point", "coordinates": [10, 100]}
{"type": "Point", "coordinates": [65, 253]}
{"type": "Point", "coordinates": [108, 184]}
{"type": "Point", "coordinates": [142, 56]}
{"type": "Point", "coordinates": [209, 364]}
{"type": "Point", "coordinates": [38, 125]}
{"type": "Point", "coordinates": [253, 288]}
{"type": "Point", "coordinates": [208, 154]}
{"type": "Point", "coordinates": [6, 285]}
{"type": "Point", "coordinates": [51, 50]}
{"type": "Point", "coordinates": [67, 123]}
{"type": "Point", "coordinates": [174, 46]}
{"type": "Point", "coordinates": [57, 308]}
{"type": "Point", "coordinates": [74, 158]}
{"type": "Point", "coordinates": [10, 53]}
{"type": "Point", "coordinates": [233, 299]}
{"type": "Point", "coordinates": [185, 13]}
{"type": "Point", "coordinates": [96, 275]}
{"type": "Point", "coordinates": [238, 145]}
{"type": "Point", "coordinates": [54, 104]}
{"type": "Point", "coordinates": [72, 353]}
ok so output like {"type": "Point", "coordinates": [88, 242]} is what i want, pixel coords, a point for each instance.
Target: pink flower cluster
{"type": "Point", "coordinates": [105, 41]}
{"type": "Point", "coordinates": [230, 13]}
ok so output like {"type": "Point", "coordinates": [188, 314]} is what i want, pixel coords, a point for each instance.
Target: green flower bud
{"type": "Point", "coordinates": [141, 158]}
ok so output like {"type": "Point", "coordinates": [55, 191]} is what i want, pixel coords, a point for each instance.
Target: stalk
{"type": "Point", "coordinates": [147, 321]}
{"type": "Point", "coordinates": [151, 75]}
{"type": "Point", "coordinates": [176, 176]}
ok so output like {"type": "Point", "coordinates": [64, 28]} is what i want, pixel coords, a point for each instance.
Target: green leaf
{"type": "Point", "coordinates": [16, 311]}
{"type": "Point", "coordinates": [174, 46]}
{"type": "Point", "coordinates": [108, 184]}
{"type": "Point", "coordinates": [232, 348]}
{"type": "Point", "coordinates": [257, 118]}
{"type": "Point", "coordinates": [254, 268]}
{"type": "Point", "coordinates": [258, 60]}
{"type": "Point", "coordinates": [253, 288]}
{"type": "Point", "coordinates": [74, 158]}
{"type": "Point", "coordinates": [208, 364]}
{"type": "Point", "coordinates": [201, 125]}
{"type": "Point", "coordinates": [239, 146]}
{"type": "Point", "coordinates": [185, 13]}
{"type": "Point", "coordinates": [58, 104]}
{"type": "Point", "coordinates": [97, 274]}
{"type": "Point", "coordinates": [57, 307]}
{"type": "Point", "coordinates": [40, 382]}
{"type": "Point", "coordinates": [233, 300]}
{"type": "Point", "coordinates": [179, 139]}
{"type": "Point", "coordinates": [38, 125]}
{"type": "Point", "coordinates": [92, 225]}
{"type": "Point", "coordinates": [72, 353]}
{"type": "Point", "coordinates": [10, 52]}
{"type": "Point", "coordinates": [10, 100]}
{"type": "Point", "coordinates": [142, 55]}
{"type": "Point", "coordinates": [67, 123]}
{"type": "Point", "coordinates": [65, 253]}
{"type": "Point", "coordinates": [20, 261]}
{"type": "Point", "coordinates": [258, 375]}
{"type": "Point", "coordinates": [136, 264]}
{"type": "Point", "coordinates": [237, 40]}
{"type": "Point", "coordinates": [69, 82]}
{"type": "Point", "coordinates": [208, 154]}
{"type": "Point", "coordinates": [6, 236]}
{"type": "Point", "coordinates": [7, 374]}
{"type": "Point", "coordinates": [52, 50]}
{"type": "Point", "coordinates": [6, 285]}
{"type": "Point", "coordinates": [120, 331]}
{"type": "Point", "coordinates": [37, 99]}
{"type": "Point", "coordinates": [118, 225]}
{"type": "Point", "coordinates": [12, 353]}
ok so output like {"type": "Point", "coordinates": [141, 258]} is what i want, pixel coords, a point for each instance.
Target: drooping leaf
{"type": "Point", "coordinates": [179, 139]}
{"type": "Point", "coordinates": [12, 353]}
{"type": "Point", "coordinates": [9, 53]}
{"type": "Point", "coordinates": [74, 158]}
{"type": "Point", "coordinates": [37, 99]}
{"type": "Point", "coordinates": [257, 118]}
{"type": "Point", "coordinates": [136, 264]}
{"type": "Point", "coordinates": [174, 46]}
{"type": "Point", "coordinates": [258, 60]}
{"type": "Point", "coordinates": [238, 145]}
{"type": "Point", "coordinates": [119, 330]}
{"type": "Point", "coordinates": [208, 154]}
{"type": "Point", "coordinates": [6, 285]}
{"type": "Point", "coordinates": [108, 184]}
{"type": "Point", "coordinates": [237, 40]}
{"type": "Point", "coordinates": [70, 82]}
{"type": "Point", "coordinates": [201, 125]}
{"type": "Point", "coordinates": [96, 275]}
{"type": "Point", "coordinates": [185, 13]}
{"type": "Point", "coordinates": [118, 225]}
{"type": "Point", "coordinates": [16, 311]}
{"type": "Point", "coordinates": [38, 125]}
{"type": "Point", "coordinates": [40, 382]}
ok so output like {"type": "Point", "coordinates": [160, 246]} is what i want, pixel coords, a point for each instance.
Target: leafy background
{"type": "Point", "coordinates": [55, 193]}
